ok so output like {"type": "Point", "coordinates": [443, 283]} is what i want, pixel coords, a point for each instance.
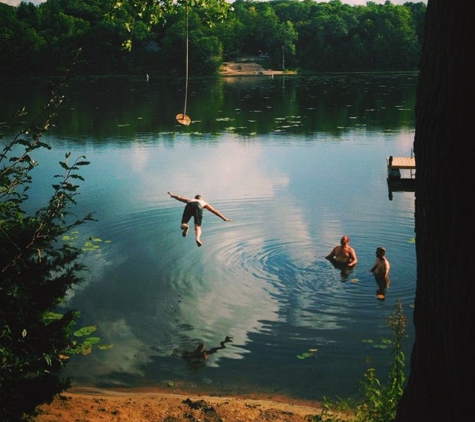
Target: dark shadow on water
{"type": "Point", "coordinates": [198, 357]}
{"type": "Point", "coordinates": [400, 185]}
{"type": "Point", "coordinates": [345, 270]}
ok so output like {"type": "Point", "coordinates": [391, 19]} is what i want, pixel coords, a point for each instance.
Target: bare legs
{"type": "Point", "coordinates": [198, 235]}
{"type": "Point", "coordinates": [185, 227]}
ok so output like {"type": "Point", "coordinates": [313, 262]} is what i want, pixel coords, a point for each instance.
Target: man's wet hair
{"type": "Point", "coordinates": [344, 239]}
{"type": "Point", "coordinates": [198, 197]}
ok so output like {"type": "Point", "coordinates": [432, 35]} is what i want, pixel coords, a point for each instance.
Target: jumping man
{"type": "Point", "coordinates": [194, 208]}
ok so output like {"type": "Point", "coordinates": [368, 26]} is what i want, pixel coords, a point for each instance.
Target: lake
{"type": "Point", "coordinates": [296, 162]}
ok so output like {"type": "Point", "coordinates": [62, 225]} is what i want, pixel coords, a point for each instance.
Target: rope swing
{"type": "Point", "coordinates": [182, 118]}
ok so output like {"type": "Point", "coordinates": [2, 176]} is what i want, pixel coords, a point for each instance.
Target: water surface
{"type": "Point", "coordinates": [295, 162]}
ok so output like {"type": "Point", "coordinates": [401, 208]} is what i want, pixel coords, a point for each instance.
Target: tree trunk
{"type": "Point", "coordinates": [441, 385]}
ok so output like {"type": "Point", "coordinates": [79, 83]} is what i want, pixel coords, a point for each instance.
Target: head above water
{"type": "Point", "coordinates": [344, 240]}
{"type": "Point", "coordinates": [198, 197]}
{"type": "Point", "coordinates": [381, 251]}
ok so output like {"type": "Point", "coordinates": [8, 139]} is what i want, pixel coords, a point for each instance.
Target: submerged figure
{"type": "Point", "coordinates": [381, 272]}
{"type": "Point", "coordinates": [343, 256]}
{"type": "Point", "coordinates": [199, 356]}
{"type": "Point", "coordinates": [194, 208]}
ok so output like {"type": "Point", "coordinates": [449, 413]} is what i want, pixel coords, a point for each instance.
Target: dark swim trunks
{"type": "Point", "coordinates": [195, 210]}
{"type": "Point", "coordinates": [382, 281]}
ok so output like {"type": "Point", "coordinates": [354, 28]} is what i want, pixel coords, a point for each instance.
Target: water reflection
{"type": "Point", "coordinates": [345, 270]}
{"type": "Point", "coordinates": [199, 356]}
{"type": "Point", "coordinates": [116, 109]}
{"type": "Point", "coordinates": [294, 162]}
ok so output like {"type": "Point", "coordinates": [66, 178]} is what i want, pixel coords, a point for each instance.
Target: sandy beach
{"type": "Point", "coordinates": [81, 404]}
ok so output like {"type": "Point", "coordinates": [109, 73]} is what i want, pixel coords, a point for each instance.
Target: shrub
{"type": "Point", "coordinates": [36, 270]}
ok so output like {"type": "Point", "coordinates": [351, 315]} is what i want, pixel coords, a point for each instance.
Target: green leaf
{"type": "Point", "coordinates": [85, 331]}
{"type": "Point", "coordinates": [86, 349]}
{"type": "Point", "coordinates": [48, 360]}
{"type": "Point", "coordinates": [91, 341]}
{"type": "Point", "coordinates": [380, 346]}
{"type": "Point", "coordinates": [105, 346]}
{"type": "Point", "coordinates": [52, 316]}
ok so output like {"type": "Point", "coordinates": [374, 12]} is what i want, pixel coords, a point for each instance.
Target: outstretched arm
{"type": "Point", "coordinates": [216, 212]}
{"type": "Point", "coordinates": [215, 349]}
{"type": "Point", "coordinates": [179, 198]}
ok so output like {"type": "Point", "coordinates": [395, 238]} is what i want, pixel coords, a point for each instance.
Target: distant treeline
{"type": "Point", "coordinates": [286, 34]}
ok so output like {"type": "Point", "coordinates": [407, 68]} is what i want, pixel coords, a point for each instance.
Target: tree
{"type": "Point", "coordinates": [36, 270]}
{"type": "Point", "coordinates": [153, 12]}
{"type": "Point", "coordinates": [441, 382]}
{"type": "Point", "coordinates": [20, 44]}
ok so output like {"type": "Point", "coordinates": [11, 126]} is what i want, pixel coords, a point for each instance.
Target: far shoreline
{"type": "Point", "coordinates": [250, 66]}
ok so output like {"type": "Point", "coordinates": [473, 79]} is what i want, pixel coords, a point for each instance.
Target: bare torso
{"type": "Point", "coordinates": [343, 254]}
{"type": "Point", "coordinates": [381, 267]}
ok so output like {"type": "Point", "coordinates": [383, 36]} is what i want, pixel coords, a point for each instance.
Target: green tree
{"type": "Point", "coordinates": [324, 36]}
{"type": "Point", "coordinates": [392, 41]}
{"type": "Point", "coordinates": [229, 33]}
{"type": "Point", "coordinates": [36, 270]}
{"type": "Point", "coordinates": [285, 38]}
{"type": "Point", "coordinates": [148, 13]}
{"type": "Point", "coordinates": [325, 39]}
{"type": "Point", "coordinates": [28, 14]}
{"type": "Point", "coordinates": [205, 50]}
{"type": "Point", "coordinates": [67, 25]}
{"type": "Point", "coordinates": [294, 11]}
{"type": "Point", "coordinates": [20, 44]}
{"type": "Point", "coordinates": [263, 32]}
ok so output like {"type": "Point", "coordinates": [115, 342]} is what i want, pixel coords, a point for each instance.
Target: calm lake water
{"type": "Point", "coordinates": [296, 162]}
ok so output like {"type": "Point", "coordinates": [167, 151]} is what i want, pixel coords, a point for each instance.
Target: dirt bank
{"type": "Point", "coordinates": [91, 405]}
{"type": "Point", "coordinates": [248, 66]}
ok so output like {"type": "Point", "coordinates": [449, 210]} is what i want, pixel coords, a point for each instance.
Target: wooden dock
{"type": "Point", "coordinates": [401, 163]}
{"type": "Point", "coordinates": [396, 183]}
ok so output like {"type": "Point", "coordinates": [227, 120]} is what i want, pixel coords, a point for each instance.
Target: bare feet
{"type": "Point", "coordinates": [185, 229]}
{"type": "Point", "coordinates": [198, 242]}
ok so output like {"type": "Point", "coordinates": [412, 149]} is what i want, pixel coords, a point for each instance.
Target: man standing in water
{"type": "Point", "coordinates": [381, 272]}
{"type": "Point", "coordinates": [343, 254]}
{"type": "Point", "coordinates": [194, 208]}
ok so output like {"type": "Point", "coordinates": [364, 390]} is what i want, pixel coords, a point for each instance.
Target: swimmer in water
{"type": "Point", "coordinates": [380, 270]}
{"type": "Point", "coordinates": [343, 254]}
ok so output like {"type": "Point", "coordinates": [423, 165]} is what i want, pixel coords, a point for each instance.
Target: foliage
{"type": "Point", "coordinates": [381, 401]}
{"type": "Point", "coordinates": [130, 36]}
{"type": "Point", "coordinates": [37, 268]}
{"type": "Point", "coordinates": [153, 12]}
{"type": "Point", "coordinates": [333, 412]}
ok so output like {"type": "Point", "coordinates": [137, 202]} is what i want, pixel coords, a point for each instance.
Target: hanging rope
{"type": "Point", "coordinates": [183, 119]}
